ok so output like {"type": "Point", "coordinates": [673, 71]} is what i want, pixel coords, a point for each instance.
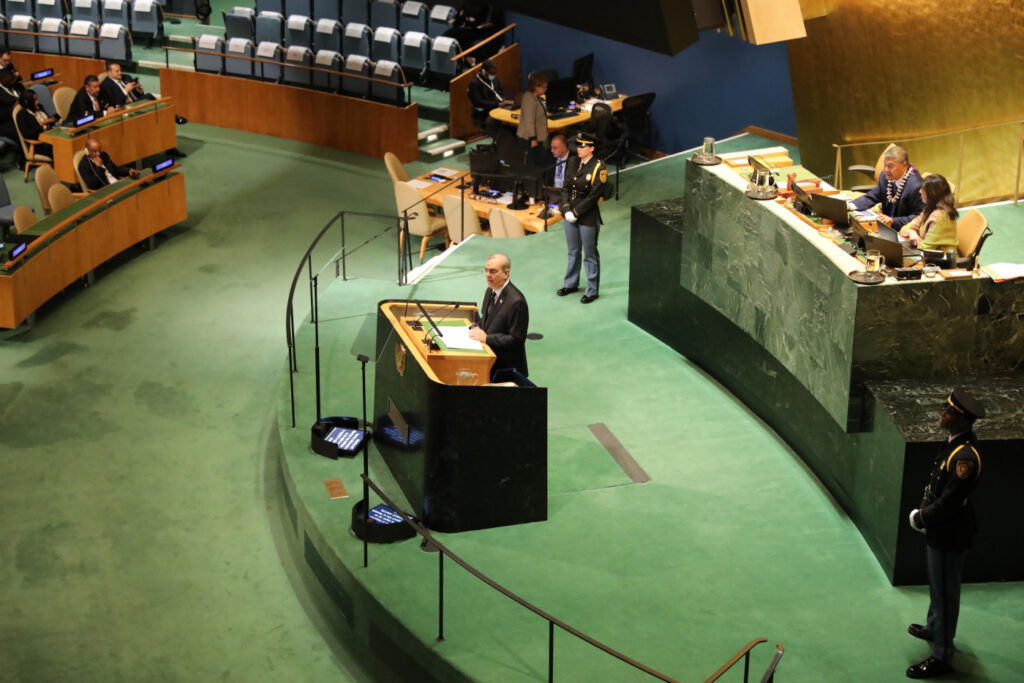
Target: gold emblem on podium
{"type": "Point", "coordinates": [400, 353]}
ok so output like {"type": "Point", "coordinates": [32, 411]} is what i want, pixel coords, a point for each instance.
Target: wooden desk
{"type": "Point", "coordinates": [466, 457]}
{"type": "Point", "coordinates": [436, 193]}
{"type": "Point", "coordinates": [145, 129]}
{"type": "Point", "coordinates": [71, 70]}
{"type": "Point", "coordinates": [68, 247]}
{"type": "Point", "coordinates": [285, 111]}
{"type": "Point", "coordinates": [510, 117]}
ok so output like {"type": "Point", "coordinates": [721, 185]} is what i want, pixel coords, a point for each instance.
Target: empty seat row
{"type": "Point", "coordinates": [411, 15]}
{"type": "Point", "coordinates": [113, 40]}
{"type": "Point", "coordinates": [329, 70]}
{"type": "Point", "coordinates": [124, 12]}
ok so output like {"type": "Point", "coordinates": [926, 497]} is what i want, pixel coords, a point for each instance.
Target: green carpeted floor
{"type": "Point", "coordinates": [138, 540]}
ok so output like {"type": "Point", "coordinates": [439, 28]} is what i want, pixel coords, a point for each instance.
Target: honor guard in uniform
{"type": "Point", "coordinates": [585, 176]}
{"type": "Point", "coordinates": [946, 517]}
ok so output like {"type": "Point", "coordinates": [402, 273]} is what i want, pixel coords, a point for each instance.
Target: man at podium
{"type": "Point", "coordinates": [504, 318]}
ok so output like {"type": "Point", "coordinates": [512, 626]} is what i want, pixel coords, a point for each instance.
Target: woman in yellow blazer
{"type": "Point", "coordinates": [935, 228]}
{"type": "Point", "coordinates": [533, 122]}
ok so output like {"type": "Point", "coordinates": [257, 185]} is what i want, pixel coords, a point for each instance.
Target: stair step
{"type": "Point", "coordinates": [436, 131]}
{"type": "Point", "coordinates": [447, 149]}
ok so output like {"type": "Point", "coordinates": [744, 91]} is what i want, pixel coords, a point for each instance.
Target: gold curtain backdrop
{"type": "Point", "coordinates": [876, 70]}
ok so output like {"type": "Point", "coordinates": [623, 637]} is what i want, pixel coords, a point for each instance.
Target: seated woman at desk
{"type": "Point", "coordinates": [32, 121]}
{"type": "Point", "coordinates": [532, 131]}
{"type": "Point", "coordinates": [935, 227]}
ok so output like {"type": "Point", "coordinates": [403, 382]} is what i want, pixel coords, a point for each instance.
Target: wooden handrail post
{"type": "Point", "coordinates": [838, 173]}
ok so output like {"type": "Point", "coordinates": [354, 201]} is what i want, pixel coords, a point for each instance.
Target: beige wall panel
{"type": "Point", "coordinates": [875, 70]}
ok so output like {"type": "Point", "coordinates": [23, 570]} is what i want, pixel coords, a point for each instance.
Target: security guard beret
{"type": "Point", "coordinates": [964, 403]}
{"type": "Point", "coordinates": [584, 138]}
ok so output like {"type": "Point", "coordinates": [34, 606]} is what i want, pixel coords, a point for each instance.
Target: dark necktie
{"type": "Point", "coordinates": [490, 304]}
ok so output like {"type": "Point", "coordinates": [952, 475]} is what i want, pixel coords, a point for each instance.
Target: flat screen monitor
{"type": "Point", "coordinates": [831, 208]}
{"type": "Point", "coordinates": [85, 119]}
{"type": "Point", "coordinates": [583, 70]}
{"type": "Point", "coordinates": [45, 73]}
{"type": "Point", "coordinates": [561, 92]}
{"type": "Point", "coordinates": [166, 163]}
{"type": "Point", "coordinates": [801, 195]}
{"type": "Point", "coordinates": [483, 161]}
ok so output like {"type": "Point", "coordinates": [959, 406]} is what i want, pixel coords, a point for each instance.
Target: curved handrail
{"type": "Point", "coordinates": [289, 316]}
{"type": "Point", "coordinates": [739, 655]}
{"type": "Point", "coordinates": [483, 42]}
{"type": "Point", "coordinates": [93, 206]}
{"type": "Point", "coordinates": [429, 538]}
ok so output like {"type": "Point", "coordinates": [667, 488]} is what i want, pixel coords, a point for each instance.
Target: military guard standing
{"type": "Point", "coordinates": [585, 177]}
{"type": "Point", "coordinates": [946, 517]}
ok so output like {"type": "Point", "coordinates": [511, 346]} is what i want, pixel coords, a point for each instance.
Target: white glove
{"type": "Point", "coordinates": [913, 524]}
{"type": "Point", "coordinates": [570, 216]}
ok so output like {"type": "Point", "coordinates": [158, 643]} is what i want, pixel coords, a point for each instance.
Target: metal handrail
{"type": "Point", "coordinates": [444, 551]}
{"type": "Point", "coordinates": [340, 265]}
{"type": "Point", "coordinates": [960, 154]}
{"type": "Point", "coordinates": [769, 674]}
{"type": "Point", "coordinates": [743, 654]}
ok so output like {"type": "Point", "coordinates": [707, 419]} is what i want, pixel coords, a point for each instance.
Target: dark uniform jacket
{"type": "Point", "coordinates": [583, 187]}
{"type": "Point", "coordinates": [946, 512]}
{"type": "Point", "coordinates": [506, 322]}
{"type": "Point", "coordinates": [906, 208]}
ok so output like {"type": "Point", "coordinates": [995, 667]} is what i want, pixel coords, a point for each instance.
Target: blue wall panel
{"type": "Point", "coordinates": [717, 86]}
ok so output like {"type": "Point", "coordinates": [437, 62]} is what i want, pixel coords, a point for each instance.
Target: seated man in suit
{"type": "Point", "coordinates": [120, 88]}
{"type": "Point", "coordinates": [98, 171]}
{"type": "Point", "coordinates": [898, 190]}
{"type": "Point", "coordinates": [504, 318]}
{"type": "Point", "coordinates": [7, 64]}
{"type": "Point", "coordinates": [485, 93]}
{"type": "Point", "coordinates": [560, 154]}
{"type": "Point", "coordinates": [90, 100]}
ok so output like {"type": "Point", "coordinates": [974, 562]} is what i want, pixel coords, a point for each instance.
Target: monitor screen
{"type": "Point", "coordinates": [45, 73]}
{"type": "Point", "coordinates": [583, 70]}
{"type": "Point", "coordinates": [166, 163]}
{"type": "Point", "coordinates": [483, 161]}
{"type": "Point", "coordinates": [345, 439]}
{"type": "Point", "coordinates": [561, 92]}
{"type": "Point", "coordinates": [18, 249]}
{"type": "Point", "coordinates": [85, 119]}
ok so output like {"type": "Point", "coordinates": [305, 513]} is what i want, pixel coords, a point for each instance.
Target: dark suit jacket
{"type": "Point", "coordinates": [905, 210]}
{"type": "Point", "coordinates": [111, 92]}
{"type": "Point", "coordinates": [82, 105]}
{"type": "Point", "coordinates": [506, 323]}
{"type": "Point", "coordinates": [95, 178]}
{"type": "Point", "coordinates": [7, 128]}
{"type": "Point", "coordinates": [482, 97]}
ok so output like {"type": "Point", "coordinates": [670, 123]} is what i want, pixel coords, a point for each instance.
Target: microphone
{"type": "Point", "coordinates": [433, 344]}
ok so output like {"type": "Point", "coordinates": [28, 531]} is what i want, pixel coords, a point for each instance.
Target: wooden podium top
{"type": "Point", "coordinates": [440, 364]}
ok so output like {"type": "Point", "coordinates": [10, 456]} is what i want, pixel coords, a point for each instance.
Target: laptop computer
{"type": "Point", "coordinates": [831, 208]}
{"type": "Point", "coordinates": [895, 254]}
{"type": "Point", "coordinates": [891, 234]}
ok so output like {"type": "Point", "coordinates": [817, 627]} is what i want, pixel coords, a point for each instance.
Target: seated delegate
{"type": "Point", "coordinates": [485, 94]}
{"type": "Point", "coordinates": [97, 169]}
{"type": "Point", "coordinates": [89, 100]}
{"type": "Point", "coordinates": [32, 121]}
{"type": "Point", "coordinates": [935, 227]}
{"type": "Point", "coordinates": [897, 190]}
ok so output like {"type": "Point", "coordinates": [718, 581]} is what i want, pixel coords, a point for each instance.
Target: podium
{"type": "Point", "coordinates": [465, 456]}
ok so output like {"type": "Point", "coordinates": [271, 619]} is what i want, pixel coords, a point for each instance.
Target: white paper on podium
{"type": "Point", "coordinates": [458, 338]}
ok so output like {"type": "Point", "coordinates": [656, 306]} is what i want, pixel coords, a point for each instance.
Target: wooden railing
{"type": "Point", "coordinates": [483, 42]}
{"type": "Point", "coordinates": [961, 132]}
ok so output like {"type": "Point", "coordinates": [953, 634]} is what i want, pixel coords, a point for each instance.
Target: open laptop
{"type": "Point", "coordinates": [894, 253]}
{"type": "Point", "coordinates": [892, 234]}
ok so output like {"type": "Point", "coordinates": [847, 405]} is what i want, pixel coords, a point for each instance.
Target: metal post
{"type": "Point", "coordinates": [316, 343]}
{"type": "Point", "coordinates": [1020, 154]}
{"type": "Point", "coordinates": [551, 651]}
{"type": "Point", "coordinates": [838, 177]}
{"type": "Point", "coordinates": [959, 171]}
{"type": "Point", "coordinates": [440, 596]}
{"type": "Point", "coordinates": [309, 274]}
{"type": "Point", "coordinates": [344, 272]}
{"type": "Point", "coordinates": [746, 666]}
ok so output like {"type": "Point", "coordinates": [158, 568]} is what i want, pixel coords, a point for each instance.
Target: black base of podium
{"type": "Point", "coordinates": [374, 532]}
{"type": "Point", "coordinates": [322, 428]}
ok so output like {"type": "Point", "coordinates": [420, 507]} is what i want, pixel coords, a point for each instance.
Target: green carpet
{"type": "Point", "coordinates": [139, 538]}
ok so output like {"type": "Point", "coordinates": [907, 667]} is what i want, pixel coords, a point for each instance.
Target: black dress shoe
{"type": "Point", "coordinates": [919, 631]}
{"type": "Point", "coordinates": [587, 298]}
{"type": "Point", "coordinates": [929, 668]}
{"type": "Point", "coordinates": [567, 290]}
{"type": "Point", "coordinates": [180, 120]}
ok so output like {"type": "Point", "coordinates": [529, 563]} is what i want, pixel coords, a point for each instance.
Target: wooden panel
{"type": "Point", "coordinates": [284, 111]}
{"type": "Point", "coordinates": [773, 21]}
{"type": "Point", "coordinates": [128, 140]}
{"type": "Point", "coordinates": [92, 242]}
{"type": "Point", "coordinates": [510, 117]}
{"type": "Point", "coordinates": [70, 70]}
{"type": "Point", "coordinates": [460, 120]}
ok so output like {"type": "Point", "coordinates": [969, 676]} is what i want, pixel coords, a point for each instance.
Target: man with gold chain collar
{"type": "Point", "coordinates": [585, 176]}
{"type": "Point", "coordinates": [946, 517]}
{"type": "Point", "coordinates": [898, 190]}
